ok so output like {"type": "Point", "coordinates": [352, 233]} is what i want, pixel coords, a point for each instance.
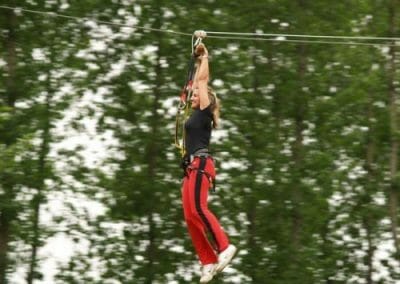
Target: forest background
{"type": "Point", "coordinates": [307, 152]}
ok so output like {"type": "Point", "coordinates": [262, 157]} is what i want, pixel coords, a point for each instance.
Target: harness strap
{"type": "Point", "coordinates": [207, 174]}
{"type": "Point", "coordinates": [186, 94]}
{"type": "Point", "coordinates": [200, 153]}
{"type": "Point", "coordinates": [183, 105]}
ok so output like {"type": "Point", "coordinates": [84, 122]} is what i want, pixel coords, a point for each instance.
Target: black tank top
{"type": "Point", "coordinates": [198, 130]}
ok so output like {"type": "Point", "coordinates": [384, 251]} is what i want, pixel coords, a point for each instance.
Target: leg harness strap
{"type": "Point", "coordinates": [207, 174]}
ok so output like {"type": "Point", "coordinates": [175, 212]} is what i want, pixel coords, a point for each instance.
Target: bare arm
{"type": "Point", "coordinates": [201, 80]}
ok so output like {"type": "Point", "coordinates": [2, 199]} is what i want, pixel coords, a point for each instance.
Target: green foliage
{"type": "Point", "coordinates": [302, 156]}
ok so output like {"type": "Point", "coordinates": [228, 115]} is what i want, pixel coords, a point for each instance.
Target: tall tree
{"type": "Point", "coordinates": [394, 129]}
{"type": "Point", "coordinates": [8, 208]}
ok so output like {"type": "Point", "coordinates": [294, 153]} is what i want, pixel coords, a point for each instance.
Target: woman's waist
{"type": "Point", "coordinates": [202, 160]}
{"type": "Point", "coordinates": [202, 152]}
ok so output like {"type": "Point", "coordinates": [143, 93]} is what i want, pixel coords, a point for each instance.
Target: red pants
{"type": "Point", "coordinates": [199, 219]}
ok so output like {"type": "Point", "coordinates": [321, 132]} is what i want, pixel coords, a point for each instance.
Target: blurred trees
{"type": "Point", "coordinates": [306, 156]}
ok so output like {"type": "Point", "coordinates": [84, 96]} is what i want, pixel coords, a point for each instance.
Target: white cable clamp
{"type": "Point", "coordinates": [200, 34]}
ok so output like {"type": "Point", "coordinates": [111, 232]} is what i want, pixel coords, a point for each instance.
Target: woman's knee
{"type": "Point", "coordinates": [192, 216]}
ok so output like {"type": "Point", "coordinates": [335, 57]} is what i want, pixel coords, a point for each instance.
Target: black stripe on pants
{"type": "Point", "coordinates": [203, 217]}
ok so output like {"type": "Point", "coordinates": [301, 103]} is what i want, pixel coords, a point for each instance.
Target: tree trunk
{"type": "Point", "coordinates": [11, 58]}
{"type": "Point", "coordinates": [152, 152]}
{"type": "Point", "coordinates": [366, 216]}
{"type": "Point", "coordinates": [251, 208]}
{"type": "Point", "coordinates": [11, 93]}
{"type": "Point", "coordinates": [38, 199]}
{"type": "Point", "coordinates": [370, 250]}
{"type": "Point", "coordinates": [298, 155]}
{"type": "Point", "coordinates": [4, 239]}
{"type": "Point", "coordinates": [393, 190]}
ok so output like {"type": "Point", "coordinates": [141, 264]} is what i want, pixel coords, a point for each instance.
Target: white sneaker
{"type": "Point", "coordinates": [207, 272]}
{"type": "Point", "coordinates": [225, 257]}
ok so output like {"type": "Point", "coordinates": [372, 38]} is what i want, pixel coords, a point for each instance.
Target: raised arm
{"type": "Point", "coordinates": [201, 79]}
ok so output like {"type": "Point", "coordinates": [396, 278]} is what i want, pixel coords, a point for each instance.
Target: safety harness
{"type": "Point", "coordinates": [201, 170]}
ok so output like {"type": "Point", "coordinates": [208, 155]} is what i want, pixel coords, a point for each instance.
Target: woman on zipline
{"type": "Point", "coordinates": [199, 176]}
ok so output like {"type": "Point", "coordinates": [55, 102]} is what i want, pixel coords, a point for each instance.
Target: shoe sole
{"type": "Point", "coordinates": [222, 267]}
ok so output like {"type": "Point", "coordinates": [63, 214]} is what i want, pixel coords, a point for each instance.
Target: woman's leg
{"type": "Point", "coordinates": [203, 248]}
{"type": "Point", "coordinates": [203, 219]}
{"type": "Point", "coordinates": [199, 184]}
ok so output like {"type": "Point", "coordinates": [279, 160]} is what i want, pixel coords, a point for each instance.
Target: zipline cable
{"type": "Point", "coordinates": [53, 14]}
{"type": "Point", "coordinates": [280, 38]}
{"type": "Point", "coordinates": [304, 36]}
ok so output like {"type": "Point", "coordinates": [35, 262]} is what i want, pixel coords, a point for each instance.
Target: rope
{"type": "Point", "coordinates": [53, 14]}
{"type": "Point", "coordinates": [304, 36]}
{"type": "Point", "coordinates": [306, 41]}
{"type": "Point", "coordinates": [281, 38]}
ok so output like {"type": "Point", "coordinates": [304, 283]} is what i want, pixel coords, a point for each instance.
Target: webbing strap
{"type": "Point", "coordinates": [201, 170]}
{"type": "Point", "coordinates": [186, 94]}
{"type": "Point", "coordinates": [184, 105]}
